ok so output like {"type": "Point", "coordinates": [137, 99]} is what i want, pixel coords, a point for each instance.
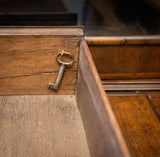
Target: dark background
{"type": "Point", "coordinates": [100, 17]}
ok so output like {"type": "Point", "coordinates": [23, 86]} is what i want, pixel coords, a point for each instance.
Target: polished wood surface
{"type": "Point", "coordinates": [130, 64]}
{"type": "Point", "coordinates": [122, 40]}
{"type": "Point", "coordinates": [28, 59]}
{"type": "Point", "coordinates": [102, 132]}
{"type": "Point", "coordinates": [125, 75]}
{"type": "Point", "coordinates": [136, 61]}
{"type": "Point", "coordinates": [127, 58]}
{"type": "Point", "coordinates": [38, 126]}
{"type": "Point", "coordinates": [138, 122]}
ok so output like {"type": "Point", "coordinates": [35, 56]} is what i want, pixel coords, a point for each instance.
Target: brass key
{"type": "Point", "coordinates": [61, 70]}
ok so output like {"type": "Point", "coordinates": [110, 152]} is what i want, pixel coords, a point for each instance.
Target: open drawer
{"type": "Point", "coordinates": [129, 68]}
{"type": "Point", "coordinates": [35, 121]}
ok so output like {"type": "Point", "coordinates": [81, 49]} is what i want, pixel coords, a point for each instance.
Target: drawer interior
{"type": "Point", "coordinates": [75, 120]}
{"type": "Point", "coordinates": [35, 120]}
{"type": "Point", "coordinates": [41, 125]}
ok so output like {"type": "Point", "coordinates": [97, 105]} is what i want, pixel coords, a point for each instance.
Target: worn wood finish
{"type": "Point", "coordinates": [148, 75]}
{"type": "Point", "coordinates": [139, 84]}
{"type": "Point", "coordinates": [139, 125]}
{"type": "Point", "coordinates": [103, 134]}
{"type": "Point", "coordinates": [42, 30]}
{"type": "Point", "coordinates": [27, 55]}
{"type": "Point", "coordinates": [127, 62]}
{"type": "Point", "coordinates": [123, 40]}
{"type": "Point", "coordinates": [28, 59]}
{"type": "Point", "coordinates": [38, 126]}
{"type": "Point", "coordinates": [38, 84]}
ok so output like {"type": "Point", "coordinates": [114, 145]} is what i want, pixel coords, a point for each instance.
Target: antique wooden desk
{"type": "Point", "coordinates": [129, 68]}
{"type": "Point", "coordinates": [78, 119]}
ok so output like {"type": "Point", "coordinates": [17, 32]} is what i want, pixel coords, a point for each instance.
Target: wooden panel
{"type": "Point", "coordinates": [123, 40]}
{"type": "Point", "coordinates": [103, 134]}
{"type": "Point", "coordinates": [138, 123]}
{"type": "Point", "coordinates": [38, 126]}
{"type": "Point", "coordinates": [26, 55]}
{"type": "Point", "coordinates": [139, 84]}
{"type": "Point", "coordinates": [119, 62]}
{"type": "Point", "coordinates": [28, 59]}
{"type": "Point", "coordinates": [42, 30]}
{"type": "Point", "coordinates": [38, 84]}
{"type": "Point", "coordinates": [137, 81]}
{"type": "Point", "coordinates": [148, 75]}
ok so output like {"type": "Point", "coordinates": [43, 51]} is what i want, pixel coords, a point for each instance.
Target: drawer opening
{"type": "Point", "coordinates": [35, 121]}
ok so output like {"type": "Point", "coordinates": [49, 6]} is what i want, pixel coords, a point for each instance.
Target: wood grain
{"type": "Point", "coordinates": [28, 59]}
{"type": "Point", "coordinates": [38, 84]}
{"type": "Point", "coordinates": [38, 126]}
{"type": "Point", "coordinates": [103, 134]}
{"type": "Point", "coordinates": [26, 55]}
{"type": "Point", "coordinates": [138, 123]}
{"type": "Point", "coordinates": [123, 40]}
{"type": "Point", "coordinates": [127, 62]}
{"type": "Point", "coordinates": [143, 75]}
{"type": "Point", "coordinates": [42, 30]}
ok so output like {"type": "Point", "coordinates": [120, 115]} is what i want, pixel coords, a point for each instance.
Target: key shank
{"type": "Point", "coordinates": [59, 78]}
